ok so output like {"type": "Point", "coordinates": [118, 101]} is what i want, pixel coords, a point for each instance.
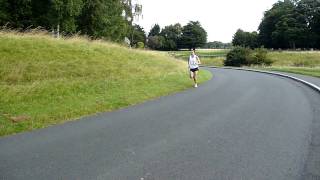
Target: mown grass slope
{"type": "Point", "coordinates": [46, 81]}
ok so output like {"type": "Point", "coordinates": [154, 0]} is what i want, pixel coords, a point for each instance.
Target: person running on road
{"type": "Point", "coordinates": [194, 62]}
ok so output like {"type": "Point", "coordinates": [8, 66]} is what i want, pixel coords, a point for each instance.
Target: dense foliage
{"type": "Point", "coordinates": [108, 19]}
{"type": "Point", "coordinates": [217, 45]}
{"type": "Point", "coordinates": [289, 24]}
{"type": "Point", "coordinates": [242, 56]}
{"type": "Point", "coordinates": [175, 37]}
{"type": "Point", "coordinates": [246, 39]}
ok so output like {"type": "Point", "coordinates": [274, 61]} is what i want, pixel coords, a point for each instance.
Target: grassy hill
{"type": "Point", "coordinates": [45, 81]}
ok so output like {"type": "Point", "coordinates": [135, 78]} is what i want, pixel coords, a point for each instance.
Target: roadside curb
{"type": "Point", "coordinates": [313, 86]}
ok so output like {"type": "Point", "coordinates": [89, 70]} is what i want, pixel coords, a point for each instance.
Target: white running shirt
{"type": "Point", "coordinates": [193, 62]}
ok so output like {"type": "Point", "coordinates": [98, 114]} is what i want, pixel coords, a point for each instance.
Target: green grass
{"type": "Point", "coordinates": [307, 59]}
{"type": "Point", "coordinates": [213, 61]}
{"type": "Point", "coordinates": [299, 62]}
{"type": "Point", "coordinates": [51, 81]}
{"type": "Point", "coordinates": [297, 70]}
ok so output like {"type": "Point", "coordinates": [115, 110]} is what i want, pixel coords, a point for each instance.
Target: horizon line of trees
{"type": "Point", "coordinates": [174, 37]}
{"type": "Point", "coordinates": [289, 24]}
{"type": "Point", "coordinates": [103, 19]}
{"type": "Point", "coordinates": [99, 19]}
{"type": "Point", "coordinates": [217, 45]}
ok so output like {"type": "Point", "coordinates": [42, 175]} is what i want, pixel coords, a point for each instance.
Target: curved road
{"type": "Point", "coordinates": [239, 125]}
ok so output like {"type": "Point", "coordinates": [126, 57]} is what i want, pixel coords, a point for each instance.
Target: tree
{"type": "Point", "coordinates": [245, 39]}
{"type": "Point", "coordinates": [103, 19]}
{"type": "Point", "coordinates": [156, 42]}
{"type": "Point", "coordinates": [63, 13]}
{"type": "Point", "coordinates": [4, 15]}
{"type": "Point", "coordinates": [17, 13]}
{"type": "Point", "coordinates": [193, 35]}
{"type": "Point", "coordinates": [41, 16]}
{"type": "Point", "coordinates": [310, 10]}
{"type": "Point", "coordinates": [171, 34]}
{"type": "Point", "coordinates": [285, 26]}
{"type": "Point", "coordinates": [270, 19]}
{"type": "Point", "coordinates": [217, 45]}
{"type": "Point", "coordinates": [289, 33]}
{"type": "Point", "coordinates": [138, 35]}
{"type": "Point", "coordinates": [155, 30]}
{"type": "Point", "coordinates": [96, 18]}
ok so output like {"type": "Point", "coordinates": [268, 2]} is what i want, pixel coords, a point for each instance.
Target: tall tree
{"type": "Point", "coordinates": [287, 25]}
{"type": "Point", "coordinates": [289, 32]}
{"type": "Point", "coordinates": [155, 30]}
{"type": "Point", "coordinates": [41, 10]}
{"type": "Point", "coordinates": [310, 9]}
{"type": "Point", "coordinates": [138, 35]}
{"type": "Point", "coordinates": [156, 42]}
{"type": "Point", "coordinates": [217, 45]}
{"type": "Point", "coordinates": [270, 19]}
{"type": "Point", "coordinates": [64, 13]}
{"type": "Point", "coordinates": [103, 18]}
{"type": "Point", "coordinates": [193, 35]}
{"type": "Point", "coordinates": [245, 39]}
{"type": "Point", "coordinates": [17, 13]}
{"type": "Point", "coordinates": [172, 35]}
{"type": "Point", "coordinates": [4, 14]}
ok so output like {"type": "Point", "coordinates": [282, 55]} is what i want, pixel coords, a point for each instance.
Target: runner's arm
{"type": "Point", "coordinates": [199, 62]}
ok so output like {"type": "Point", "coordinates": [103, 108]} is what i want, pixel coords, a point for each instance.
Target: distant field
{"type": "Point", "coordinates": [46, 81]}
{"type": "Point", "coordinates": [212, 57]}
{"type": "Point", "coordinates": [295, 58]}
{"type": "Point", "coordinates": [301, 62]}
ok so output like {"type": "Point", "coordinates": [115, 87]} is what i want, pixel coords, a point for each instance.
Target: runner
{"type": "Point", "coordinates": [194, 62]}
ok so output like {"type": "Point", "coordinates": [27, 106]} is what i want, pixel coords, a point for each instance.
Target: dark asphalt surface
{"type": "Point", "coordinates": [238, 126]}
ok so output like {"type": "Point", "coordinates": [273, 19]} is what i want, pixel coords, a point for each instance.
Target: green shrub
{"type": "Point", "coordinates": [241, 56]}
{"type": "Point", "coordinates": [238, 56]}
{"type": "Point", "coordinates": [259, 57]}
{"type": "Point", "coordinates": [140, 45]}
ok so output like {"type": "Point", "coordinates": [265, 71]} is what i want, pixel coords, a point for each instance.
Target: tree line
{"type": "Point", "coordinates": [99, 19]}
{"type": "Point", "coordinates": [174, 37]}
{"type": "Point", "coordinates": [107, 19]}
{"type": "Point", "coordinates": [289, 24]}
{"type": "Point", "coordinates": [217, 45]}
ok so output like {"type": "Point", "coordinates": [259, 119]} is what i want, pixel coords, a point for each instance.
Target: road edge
{"type": "Point", "coordinates": [309, 84]}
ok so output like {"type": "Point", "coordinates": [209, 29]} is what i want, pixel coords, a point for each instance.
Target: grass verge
{"type": "Point", "coordinates": [299, 62]}
{"type": "Point", "coordinates": [315, 72]}
{"type": "Point", "coordinates": [46, 81]}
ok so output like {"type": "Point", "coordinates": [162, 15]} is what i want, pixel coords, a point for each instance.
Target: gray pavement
{"type": "Point", "coordinates": [239, 125]}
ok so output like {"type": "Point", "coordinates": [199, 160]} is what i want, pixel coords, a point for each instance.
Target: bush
{"type": "Point", "coordinates": [259, 57]}
{"type": "Point", "coordinates": [155, 42]}
{"type": "Point", "coordinates": [238, 56]}
{"type": "Point", "coordinates": [140, 45]}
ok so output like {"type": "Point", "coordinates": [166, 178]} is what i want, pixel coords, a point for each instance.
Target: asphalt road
{"type": "Point", "coordinates": [238, 126]}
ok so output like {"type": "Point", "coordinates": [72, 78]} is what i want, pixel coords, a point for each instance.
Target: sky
{"type": "Point", "coordinates": [220, 18]}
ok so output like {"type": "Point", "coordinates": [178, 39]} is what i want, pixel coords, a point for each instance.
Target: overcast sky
{"type": "Point", "coordinates": [220, 18]}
